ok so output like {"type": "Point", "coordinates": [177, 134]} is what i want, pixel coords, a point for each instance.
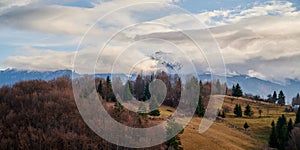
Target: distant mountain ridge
{"type": "Point", "coordinates": [12, 76]}
{"type": "Point", "coordinates": [249, 84]}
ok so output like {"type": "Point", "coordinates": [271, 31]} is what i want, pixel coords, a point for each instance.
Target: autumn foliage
{"type": "Point", "coordinates": [43, 115]}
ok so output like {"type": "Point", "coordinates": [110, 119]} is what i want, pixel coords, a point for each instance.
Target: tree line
{"type": "Point", "coordinates": [285, 135]}
{"type": "Point", "coordinates": [41, 114]}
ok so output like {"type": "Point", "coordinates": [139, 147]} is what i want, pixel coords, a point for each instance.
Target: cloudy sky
{"type": "Point", "coordinates": [257, 38]}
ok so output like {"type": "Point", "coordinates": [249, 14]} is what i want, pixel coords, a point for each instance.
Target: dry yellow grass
{"type": "Point", "coordinates": [218, 136]}
{"type": "Point", "coordinates": [221, 136]}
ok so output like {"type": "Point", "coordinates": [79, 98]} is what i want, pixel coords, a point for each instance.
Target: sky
{"type": "Point", "coordinates": [257, 38]}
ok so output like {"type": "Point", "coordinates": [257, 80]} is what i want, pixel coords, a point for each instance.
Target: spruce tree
{"type": "Point", "coordinates": [100, 89]}
{"type": "Point", "coordinates": [147, 94]}
{"type": "Point", "coordinates": [238, 110]}
{"type": "Point", "coordinates": [200, 111]}
{"type": "Point", "coordinates": [248, 111]}
{"type": "Point", "coordinates": [281, 98]}
{"type": "Point", "coordinates": [273, 142]}
{"type": "Point", "coordinates": [282, 132]}
{"type": "Point", "coordinates": [233, 90]}
{"type": "Point", "coordinates": [109, 91]}
{"type": "Point", "coordinates": [290, 125]}
{"type": "Point", "coordinates": [239, 91]}
{"type": "Point", "coordinates": [246, 126]}
{"type": "Point", "coordinates": [274, 97]}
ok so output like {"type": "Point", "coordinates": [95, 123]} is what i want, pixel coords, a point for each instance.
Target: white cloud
{"type": "Point", "coordinates": [261, 41]}
{"type": "Point", "coordinates": [33, 59]}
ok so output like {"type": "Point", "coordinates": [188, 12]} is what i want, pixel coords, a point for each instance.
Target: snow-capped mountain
{"type": "Point", "coordinates": [260, 87]}
{"type": "Point", "coordinates": [11, 76]}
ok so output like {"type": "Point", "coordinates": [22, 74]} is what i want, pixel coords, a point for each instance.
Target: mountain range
{"type": "Point", "coordinates": [249, 84]}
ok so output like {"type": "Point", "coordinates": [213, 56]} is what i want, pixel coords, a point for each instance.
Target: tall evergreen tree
{"type": "Point", "coordinates": [274, 97]}
{"type": "Point", "coordinates": [281, 98]}
{"type": "Point", "coordinates": [273, 142]}
{"type": "Point", "coordinates": [139, 87]}
{"type": "Point", "coordinates": [201, 87]}
{"type": "Point", "coordinates": [235, 111]}
{"type": "Point", "coordinates": [237, 91]}
{"type": "Point", "coordinates": [282, 132]}
{"type": "Point", "coordinates": [290, 125]}
{"type": "Point", "coordinates": [109, 91]}
{"type": "Point", "coordinates": [147, 94]}
{"type": "Point", "coordinates": [238, 110]}
{"type": "Point", "coordinates": [233, 90]}
{"type": "Point", "coordinates": [200, 111]}
{"type": "Point", "coordinates": [100, 89]}
{"type": "Point", "coordinates": [248, 111]}
{"type": "Point", "coordinates": [297, 116]}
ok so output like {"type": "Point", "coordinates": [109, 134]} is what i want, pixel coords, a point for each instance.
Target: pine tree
{"type": "Point", "coordinates": [248, 111]}
{"type": "Point", "coordinates": [297, 116]}
{"type": "Point", "coordinates": [200, 111]}
{"type": "Point", "coordinates": [237, 91]}
{"type": "Point", "coordinates": [238, 110]}
{"type": "Point", "coordinates": [246, 126]}
{"type": "Point", "coordinates": [100, 89]}
{"type": "Point", "coordinates": [281, 98]}
{"type": "Point", "coordinates": [147, 94]}
{"type": "Point", "coordinates": [282, 132]}
{"type": "Point", "coordinates": [233, 90]}
{"type": "Point", "coordinates": [139, 87]}
{"type": "Point", "coordinates": [273, 137]}
{"type": "Point", "coordinates": [274, 97]}
{"type": "Point", "coordinates": [290, 125]}
{"type": "Point", "coordinates": [109, 91]}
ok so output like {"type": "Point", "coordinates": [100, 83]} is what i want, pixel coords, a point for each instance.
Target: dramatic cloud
{"type": "Point", "coordinates": [261, 40]}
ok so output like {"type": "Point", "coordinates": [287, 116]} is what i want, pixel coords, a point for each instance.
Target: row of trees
{"type": "Point", "coordinates": [239, 112]}
{"type": "Point", "coordinates": [43, 115]}
{"type": "Point", "coordinates": [283, 135]}
{"type": "Point", "coordinates": [279, 99]}
{"type": "Point", "coordinates": [280, 133]}
{"type": "Point", "coordinates": [139, 89]}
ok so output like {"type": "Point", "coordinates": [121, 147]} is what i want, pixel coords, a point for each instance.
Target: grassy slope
{"type": "Point", "coordinates": [221, 136]}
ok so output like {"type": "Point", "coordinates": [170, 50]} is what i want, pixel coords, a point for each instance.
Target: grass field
{"type": "Point", "coordinates": [223, 136]}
